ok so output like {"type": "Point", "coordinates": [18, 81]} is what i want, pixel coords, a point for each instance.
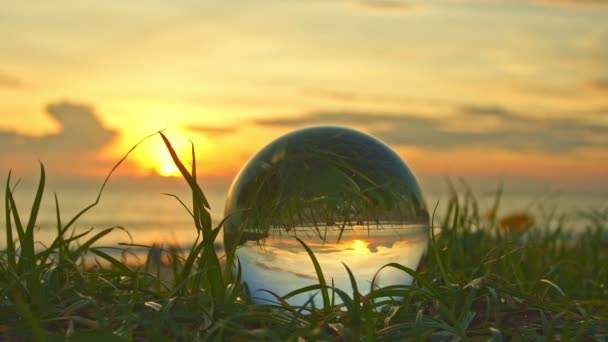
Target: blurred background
{"type": "Point", "coordinates": [477, 91]}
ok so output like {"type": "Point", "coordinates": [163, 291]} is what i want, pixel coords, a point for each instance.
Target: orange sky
{"type": "Point", "coordinates": [486, 89]}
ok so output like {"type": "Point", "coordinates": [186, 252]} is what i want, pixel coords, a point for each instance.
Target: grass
{"type": "Point", "coordinates": [477, 282]}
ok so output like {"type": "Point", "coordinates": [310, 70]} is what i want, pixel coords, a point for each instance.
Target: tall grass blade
{"type": "Point", "coordinates": [35, 208]}
{"type": "Point", "coordinates": [356, 295]}
{"type": "Point", "coordinates": [355, 309]}
{"type": "Point", "coordinates": [182, 169]}
{"type": "Point", "coordinates": [320, 277]}
{"type": "Point", "coordinates": [62, 247]}
{"type": "Point", "coordinates": [10, 245]}
{"type": "Point", "coordinates": [17, 221]}
{"type": "Point", "coordinates": [435, 246]}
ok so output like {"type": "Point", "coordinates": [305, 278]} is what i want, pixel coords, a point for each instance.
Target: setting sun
{"type": "Point", "coordinates": [153, 157]}
{"type": "Point", "coordinates": [168, 170]}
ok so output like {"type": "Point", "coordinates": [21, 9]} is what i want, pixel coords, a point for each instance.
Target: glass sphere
{"type": "Point", "coordinates": [347, 195]}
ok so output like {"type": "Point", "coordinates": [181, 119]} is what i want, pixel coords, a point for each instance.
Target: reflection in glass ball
{"type": "Point", "coordinates": [347, 195]}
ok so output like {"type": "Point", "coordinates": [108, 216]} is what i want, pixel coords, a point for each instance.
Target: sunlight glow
{"type": "Point", "coordinates": [153, 156]}
{"type": "Point", "coordinates": [359, 246]}
{"type": "Point", "coordinates": [168, 170]}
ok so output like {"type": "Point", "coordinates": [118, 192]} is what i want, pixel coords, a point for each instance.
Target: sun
{"type": "Point", "coordinates": [154, 158]}
{"type": "Point", "coordinates": [168, 169]}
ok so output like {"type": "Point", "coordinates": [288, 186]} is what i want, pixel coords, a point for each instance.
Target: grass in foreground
{"type": "Point", "coordinates": [477, 282]}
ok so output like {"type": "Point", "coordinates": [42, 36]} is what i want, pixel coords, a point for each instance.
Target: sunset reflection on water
{"type": "Point", "coordinates": [280, 264]}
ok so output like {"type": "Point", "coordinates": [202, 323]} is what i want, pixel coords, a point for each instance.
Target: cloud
{"type": "Point", "coordinates": [334, 95]}
{"type": "Point", "coordinates": [80, 137]}
{"type": "Point", "coordinates": [284, 270]}
{"type": "Point", "coordinates": [598, 84]}
{"type": "Point", "coordinates": [574, 3]}
{"type": "Point", "coordinates": [212, 130]}
{"type": "Point", "coordinates": [384, 5]}
{"type": "Point", "coordinates": [472, 126]}
{"type": "Point", "coordinates": [7, 81]}
{"type": "Point", "coordinates": [491, 111]}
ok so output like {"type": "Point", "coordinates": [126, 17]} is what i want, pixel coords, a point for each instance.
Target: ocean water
{"type": "Point", "coordinates": [142, 214]}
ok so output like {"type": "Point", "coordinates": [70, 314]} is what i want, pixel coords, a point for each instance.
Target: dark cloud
{"type": "Point", "coordinates": [80, 136]}
{"type": "Point", "coordinates": [7, 81]}
{"type": "Point", "coordinates": [351, 97]}
{"type": "Point", "coordinates": [508, 130]}
{"type": "Point", "coordinates": [385, 5]}
{"type": "Point", "coordinates": [598, 84]}
{"type": "Point", "coordinates": [338, 118]}
{"type": "Point", "coordinates": [574, 3]}
{"type": "Point", "coordinates": [212, 130]}
{"type": "Point", "coordinates": [489, 111]}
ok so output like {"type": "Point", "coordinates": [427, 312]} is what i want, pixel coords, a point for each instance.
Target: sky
{"type": "Point", "coordinates": [480, 89]}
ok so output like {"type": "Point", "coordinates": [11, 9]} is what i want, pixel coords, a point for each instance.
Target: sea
{"type": "Point", "coordinates": [141, 212]}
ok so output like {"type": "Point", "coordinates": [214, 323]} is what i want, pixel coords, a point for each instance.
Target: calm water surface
{"type": "Point", "coordinates": [280, 264]}
{"type": "Point", "coordinates": [151, 217]}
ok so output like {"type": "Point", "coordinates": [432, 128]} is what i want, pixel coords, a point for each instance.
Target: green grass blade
{"type": "Point", "coordinates": [302, 290]}
{"type": "Point", "coordinates": [182, 169]}
{"type": "Point", "coordinates": [418, 277]}
{"type": "Point", "coordinates": [230, 255]}
{"type": "Point", "coordinates": [87, 244]}
{"type": "Point", "coordinates": [10, 245]}
{"type": "Point", "coordinates": [194, 178]}
{"type": "Point", "coordinates": [62, 248]}
{"type": "Point", "coordinates": [355, 309]}
{"type": "Point", "coordinates": [349, 304]}
{"type": "Point", "coordinates": [282, 300]}
{"type": "Point", "coordinates": [464, 318]}
{"type": "Point", "coordinates": [29, 232]}
{"type": "Point", "coordinates": [356, 294]}
{"type": "Point", "coordinates": [552, 284]}
{"type": "Point", "coordinates": [181, 203]}
{"type": "Point", "coordinates": [320, 277]}
{"type": "Point", "coordinates": [116, 263]}
{"type": "Point", "coordinates": [213, 269]}
{"type": "Point", "coordinates": [16, 219]}
{"type": "Point", "coordinates": [57, 244]}
{"type": "Point", "coordinates": [236, 285]}
{"type": "Point", "coordinates": [435, 246]}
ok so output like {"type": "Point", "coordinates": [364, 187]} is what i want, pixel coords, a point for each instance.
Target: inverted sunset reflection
{"type": "Point", "coordinates": [280, 264]}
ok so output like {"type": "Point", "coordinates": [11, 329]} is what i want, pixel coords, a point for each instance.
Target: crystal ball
{"type": "Point", "coordinates": [349, 197]}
